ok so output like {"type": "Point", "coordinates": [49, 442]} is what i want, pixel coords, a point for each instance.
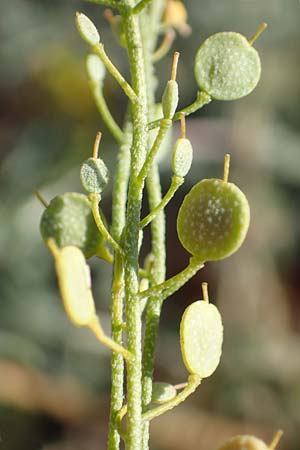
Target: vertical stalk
{"type": "Point", "coordinates": [118, 223]}
{"type": "Point", "coordinates": [131, 248]}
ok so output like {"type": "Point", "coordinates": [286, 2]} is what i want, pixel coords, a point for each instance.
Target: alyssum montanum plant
{"type": "Point", "coordinates": [212, 221]}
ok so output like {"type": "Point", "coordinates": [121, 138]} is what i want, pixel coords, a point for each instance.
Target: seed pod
{"type": "Point", "coordinates": [95, 68]}
{"type": "Point", "coordinates": [244, 442]}
{"type": "Point", "coordinates": [69, 221]}
{"type": "Point", "coordinates": [94, 175]}
{"type": "Point", "coordinates": [162, 392]}
{"type": "Point", "coordinates": [75, 285]}
{"type": "Point", "coordinates": [227, 67]}
{"type": "Point", "coordinates": [182, 157]}
{"type": "Point", "coordinates": [213, 219]}
{"type": "Point", "coordinates": [87, 29]}
{"type": "Point", "coordinates": [170, 99]}
{"type": "Point", "coordinates": [201, 337]}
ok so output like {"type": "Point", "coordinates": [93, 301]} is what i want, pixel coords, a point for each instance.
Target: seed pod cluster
{"type": "Point", "coordinates": [213, 219]}
{"type": "Point", "coordinates": [201, 337]}
{"type": "Point", "coordinates": [68, 220]}
{"type": "Point", "coordinates": [227, 67]}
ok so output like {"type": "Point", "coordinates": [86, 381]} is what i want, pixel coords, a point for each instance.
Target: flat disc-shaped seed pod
{"type": "Point", "coordinates": [213, 219]}
{"type": "Point", "coordinates": [227, 67]}
{"type": "Point", "coordinates": [75, 286]}
{"type": "Point", "coordinates": [162, 392]}
{"type": "Point", "coordinates": [94, 175]}
{"type": "Point", "coordinates": [244, 442]}
{"type": "Point", "coordinates": [69, 221]}
{"type": "Point", "coordinates": [201, 337]}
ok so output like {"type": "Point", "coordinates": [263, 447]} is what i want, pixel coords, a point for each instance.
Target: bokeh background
{"type": "Point", "coordinates": [54, 378]}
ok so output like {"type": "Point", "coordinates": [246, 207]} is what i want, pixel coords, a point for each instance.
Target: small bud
{"type": "Point", "coordinates": [182, 157]}
{"type": "Point", "coordinates": [69, 221]}
{"type": "Point", "coordinates": [201, 338]}
{"type": "Point", "coordinates": [94, 175]}
{"type": "Point", "coordinates": [170, 99]}
{"type": "Point", "coordinates": [95, 68]}
{"type": "Point", "coordinates": [74, 283]}
{"type": "Point", "coordinates": [87, 29]}
{"type": "Point", "coordinates": [162, 392]}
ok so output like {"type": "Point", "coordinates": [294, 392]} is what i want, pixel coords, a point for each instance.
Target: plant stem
{"type": "Point", "coordinates": [118, 223]}
{"type": "Point", "coordinates": [175, 184]}
{"type": "Point", "coordinates": [193, 382]}
{"type": "Point", "coordinates": [131, 244]}
{"type": "Point", "coordinates": [105, 113]}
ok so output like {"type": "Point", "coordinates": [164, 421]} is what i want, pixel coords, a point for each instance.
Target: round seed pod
{"type": "Point", "coordinates": [87, 29]}
{"type": "Point", "coordinates": [182, 157]}
{"type": "Point", "coordinates": [227, 67]}
{"type": "Point", "coordinates": [201, 337]}
{"type": "Point", "coordinates": [94, 175]}
{"type": "Point", "coordinates": [213, 219]}
{"type": "Point", "coordinates": [244, 442]}
{"type": "Point", "coordinates": [162, 392]}
{"type": "Point", "coordinates": [69, 221]}
{"type": "Point", "coordinates": [75, 285]}
{"type": "Point", "coordinates": [170, 99]}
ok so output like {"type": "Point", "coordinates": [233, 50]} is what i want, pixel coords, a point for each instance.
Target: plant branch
{"type": "Point", "coordinates": [140, 6]}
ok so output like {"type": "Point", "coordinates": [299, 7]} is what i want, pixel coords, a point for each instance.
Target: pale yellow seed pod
{"type": "Point", "coordinates": [75, 285]}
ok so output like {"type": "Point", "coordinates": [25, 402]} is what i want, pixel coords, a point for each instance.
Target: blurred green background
{"type": "Point", "coordinates": [54, 378]}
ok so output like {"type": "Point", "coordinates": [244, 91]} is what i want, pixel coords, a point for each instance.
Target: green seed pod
{"type": "Point", "coordinates": [201, 337]}
{"type": "Point", "coordinates": [69, 221]}
{"type": "Point", "coordinates": [94, 175]}
{"type": "Point", "coordinates": [87, 29]}
{"type": "Point", "coordinates": [182, 157]}
{"type": "Point", "coordinates": [244, 442]}
{"type": "Point", "coordinates": [170, 99]}
{"type": "Point", "coordinates": [95, 68]}
{"type": "Point", "coordinates": [213, 219]}
{"type": "Point", "coordinates": [227, 67]}
{"type": "Point", "coordinates": [162, 392]}
{"type": "Point", "coordinates": [75, 285]}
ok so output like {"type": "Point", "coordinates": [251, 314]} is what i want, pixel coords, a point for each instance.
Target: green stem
{"type": "Point", "coordinates": [168, 287]}
{"type": "Point", "coordinates": [105, 113]}
{"type": "Point", "coordinates": [140, 6]}
{"type": "Point", "coordinates": [193, 382]}
{"type": "Point", "coordinates": [163, 129]}
{"type": "Point", "coordinates": [118, 222]}
{"type": "Point", "coordinates": [131, 244]}
{"type": "Point", "coordinates": [99, 50]}
{"type": "Point", "coordinates": [175, 184]}
{"type": "Point", "coordinates": [202, 99]}
{"type": "Point", "coordinates": [95, 198]}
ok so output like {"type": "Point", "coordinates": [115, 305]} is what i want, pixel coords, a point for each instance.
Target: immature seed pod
{"type": "Point", "coordinates": [227, 67]}
{"type": "Point", "coordinates": [201, 337]}
{"type": "Point", "coordinates": [162, 392]}
{"type": "Point", "coordinates": [170, 99]}
{"type": "Point", "coordinates": [244, 442]}
{"type": "Point", "coordinates": [75, 285]}
{"type": "Point", "coordinates": [69, 221]}
{"type": "Point", "coordinates": [182, 157]}
{"type": "Point", "coordinates": [95, 68]}
{"type": "Point", "coordinates": [94, 175]}
{"type": "Point", "coordinates": [213, 219]}
{"type": "Point", "coordinates": [87, 29]}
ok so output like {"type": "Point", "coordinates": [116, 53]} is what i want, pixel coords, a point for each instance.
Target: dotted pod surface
{"type": "Point", "coordinates": [226, 66]}
{"type": "Point", "coordinates": [162, 392]}
{"type": "Point", "coordinates": [94, 175]}
{"type": "Point", "coordinates": [244, 442]}
{"type": "Point", "coordinates": [69, 221]}
{"type": "Point", "coordinates": [213, 219]}
{"type": "Point", "coordinates": [201, 337]}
